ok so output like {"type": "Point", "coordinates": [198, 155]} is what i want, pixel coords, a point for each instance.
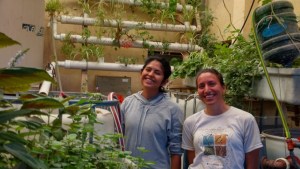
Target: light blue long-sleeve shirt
{"type": "Point", "coordinates": [155, 125]}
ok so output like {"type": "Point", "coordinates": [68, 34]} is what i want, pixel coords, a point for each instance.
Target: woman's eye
{"type": "Point", "coordinates": [211, 84]}
{"type": "Point", "coordinates": [201, 86]}
{"type": "Point", "coordinates": [157, 72]}
{"type": "Point", "coordinates": [148, 69]}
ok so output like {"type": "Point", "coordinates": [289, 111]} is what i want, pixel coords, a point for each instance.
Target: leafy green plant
{"type": "Point", "coordinates": [188, 15]}
{"type": "Point", "coordinates": [191, 65]}
{"type": "Point", "coordinates": [13, 147]}
{"type": "Point", "coordinates": [51, 145]}
{"type": "Point", "coordinates": [169, 12]}
{"type": "Point", "coordinates": [30, 139]}
{"type": "Point", "coordinates": [154, 9]}
{"type": "Point", "coordinates": [53, 6]}
{"type": "Point", "coordinates": [150, 7]}
{"type": "Point", "coordinates": [239, 64]}
{"type": "Point", "coordinates": [87, 52]}
{"type": "Point", "coordinates": [79, 146]}
{"type": "Point", "coordinates": [126, 60]}
{"type": "Point", "coordinates": [206, 39]}
{"type": "Point", "coordinates": [165, 45]}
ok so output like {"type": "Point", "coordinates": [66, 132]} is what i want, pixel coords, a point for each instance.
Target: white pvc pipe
{"type": "Point", "coordinates": [127, 24]}
{"type": "Point", "coordinates": [179, 7]}
{"type": "Point", "coordinates": [135, 44]}
{"type": "Point", "coordinates": [45, 87]}
{"type": "Point", "coordinates": [71, 64]}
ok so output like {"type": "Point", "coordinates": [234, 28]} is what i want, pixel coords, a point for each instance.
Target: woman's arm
{"type": "Point", "coordinates": [252, 159]}
{"type": "Point", "coordinates": [175, 161]}
{"type": "Point", "coordinates": [190, 156]}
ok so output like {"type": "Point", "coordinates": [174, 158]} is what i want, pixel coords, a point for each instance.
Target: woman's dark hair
{"type": "Point", "coordinates": [213, 71]}
{"type": "Point", "coordinates": [165, 65]}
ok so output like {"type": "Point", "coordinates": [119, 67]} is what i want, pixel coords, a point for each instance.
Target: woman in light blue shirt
{"type": "Point", "coordinates": [150, 120]}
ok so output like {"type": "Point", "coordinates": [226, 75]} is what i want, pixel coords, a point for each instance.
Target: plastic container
{"type": "Point", "coordinates": [286, 83]}
{"type": "Point", "coordinates": [276, 146]}
{"type": "Point", "coordinates": [275, 22]}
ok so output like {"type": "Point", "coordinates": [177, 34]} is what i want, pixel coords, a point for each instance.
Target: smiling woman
{"type": "Point", "coordinates": [220, 135]}
{"type": "Point", "coordinates": [151, 120]}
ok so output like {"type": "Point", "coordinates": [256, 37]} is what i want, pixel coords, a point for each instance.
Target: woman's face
{"type": "Point", "coordinates": [152, 76]}
{"type": "Point", "coordinates": [210, 89]}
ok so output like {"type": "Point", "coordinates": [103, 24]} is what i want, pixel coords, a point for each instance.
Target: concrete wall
{"type": "Point", "coordinates": [23, 21]}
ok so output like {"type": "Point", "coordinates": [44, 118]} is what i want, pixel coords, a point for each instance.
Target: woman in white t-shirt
{"type": "Point", "coordinates": [220, 136]}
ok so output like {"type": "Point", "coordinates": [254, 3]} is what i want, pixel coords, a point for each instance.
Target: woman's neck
{"type": "Point", "coordinates": [214, 110]}
{"type": "Point", "coordinates": [149, 94]}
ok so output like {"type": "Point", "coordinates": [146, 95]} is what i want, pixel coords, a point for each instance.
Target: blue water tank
{"type": "Point", "coordinates": [278, 32]}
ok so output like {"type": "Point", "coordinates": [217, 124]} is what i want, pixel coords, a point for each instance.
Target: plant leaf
{"type": "Point", "coordinates": [8, 115]}
{"type": "Point", "coordinates": [7, 41]}
{"type": "Point", "coordinates": [19, 151]}
{"type": "Point", "coordinates": [19, 78]}
{"type": "Point", "coordinates": [42, 103]}
{"type": "Point", "coordinates": [12, 137]}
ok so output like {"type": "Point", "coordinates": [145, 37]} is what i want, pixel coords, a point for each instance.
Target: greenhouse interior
{"type": "Point", "coordinates": [79, 90]}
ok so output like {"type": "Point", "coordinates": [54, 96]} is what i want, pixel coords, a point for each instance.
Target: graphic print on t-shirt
{"type": "Point", "coordinates": [215, 144]}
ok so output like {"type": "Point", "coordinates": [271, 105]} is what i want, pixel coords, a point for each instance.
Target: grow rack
{"type": "Point", "coordinates": [291, 145]}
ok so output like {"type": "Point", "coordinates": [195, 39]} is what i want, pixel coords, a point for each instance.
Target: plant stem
{"type": "Point", "coordinates": [284, 122]}
{"type": "Point", "coordinates": [54, 53]}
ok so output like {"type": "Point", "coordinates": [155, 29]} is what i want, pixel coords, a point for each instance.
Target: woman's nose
{"type": "Point", "coordinates": [151, 73]}
{"type": "Point", "coordinates": [206, 88]}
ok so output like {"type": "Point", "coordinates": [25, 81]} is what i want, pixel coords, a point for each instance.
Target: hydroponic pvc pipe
{"type": "Point", "coordinates": [45, 87]}
{"type": "Point", "coordinates": [71, 64]}
{"type": "Point", "coordinates": [179, 7]}
{"type": "Point", "coordinates": [127, 24]}
{"type": "Point", "coordinates": [135, 44]}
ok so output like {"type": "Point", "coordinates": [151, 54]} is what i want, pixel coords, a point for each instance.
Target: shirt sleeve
{"type": "Point", "coordinates": [175, 134]}
{"type": "Point", "coordinates": [187, 136]}
{"type": "Point", "coordinates": [252, 137]}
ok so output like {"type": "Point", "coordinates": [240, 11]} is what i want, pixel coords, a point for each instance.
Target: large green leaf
{"type": "Point", "coordinates": [32, 123]}
{"type": "Point", "coordinates": [19, 151]}
{"type": "Point", "coordinates": [19, 78]}
{"type": "Point", "coordinates": [6, 41]}
{"type": "Point", "coordinates": [12, 137]}
{"type": "Point", "coordinates": [8, 115]}
{"type": "Point", "coordinates": [42, 103]}
{"type": "Point", "coordinates": [29, 96]}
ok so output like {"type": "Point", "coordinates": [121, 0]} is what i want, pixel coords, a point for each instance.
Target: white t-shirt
{"type": "Point", "coordinates": [220, 142]}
